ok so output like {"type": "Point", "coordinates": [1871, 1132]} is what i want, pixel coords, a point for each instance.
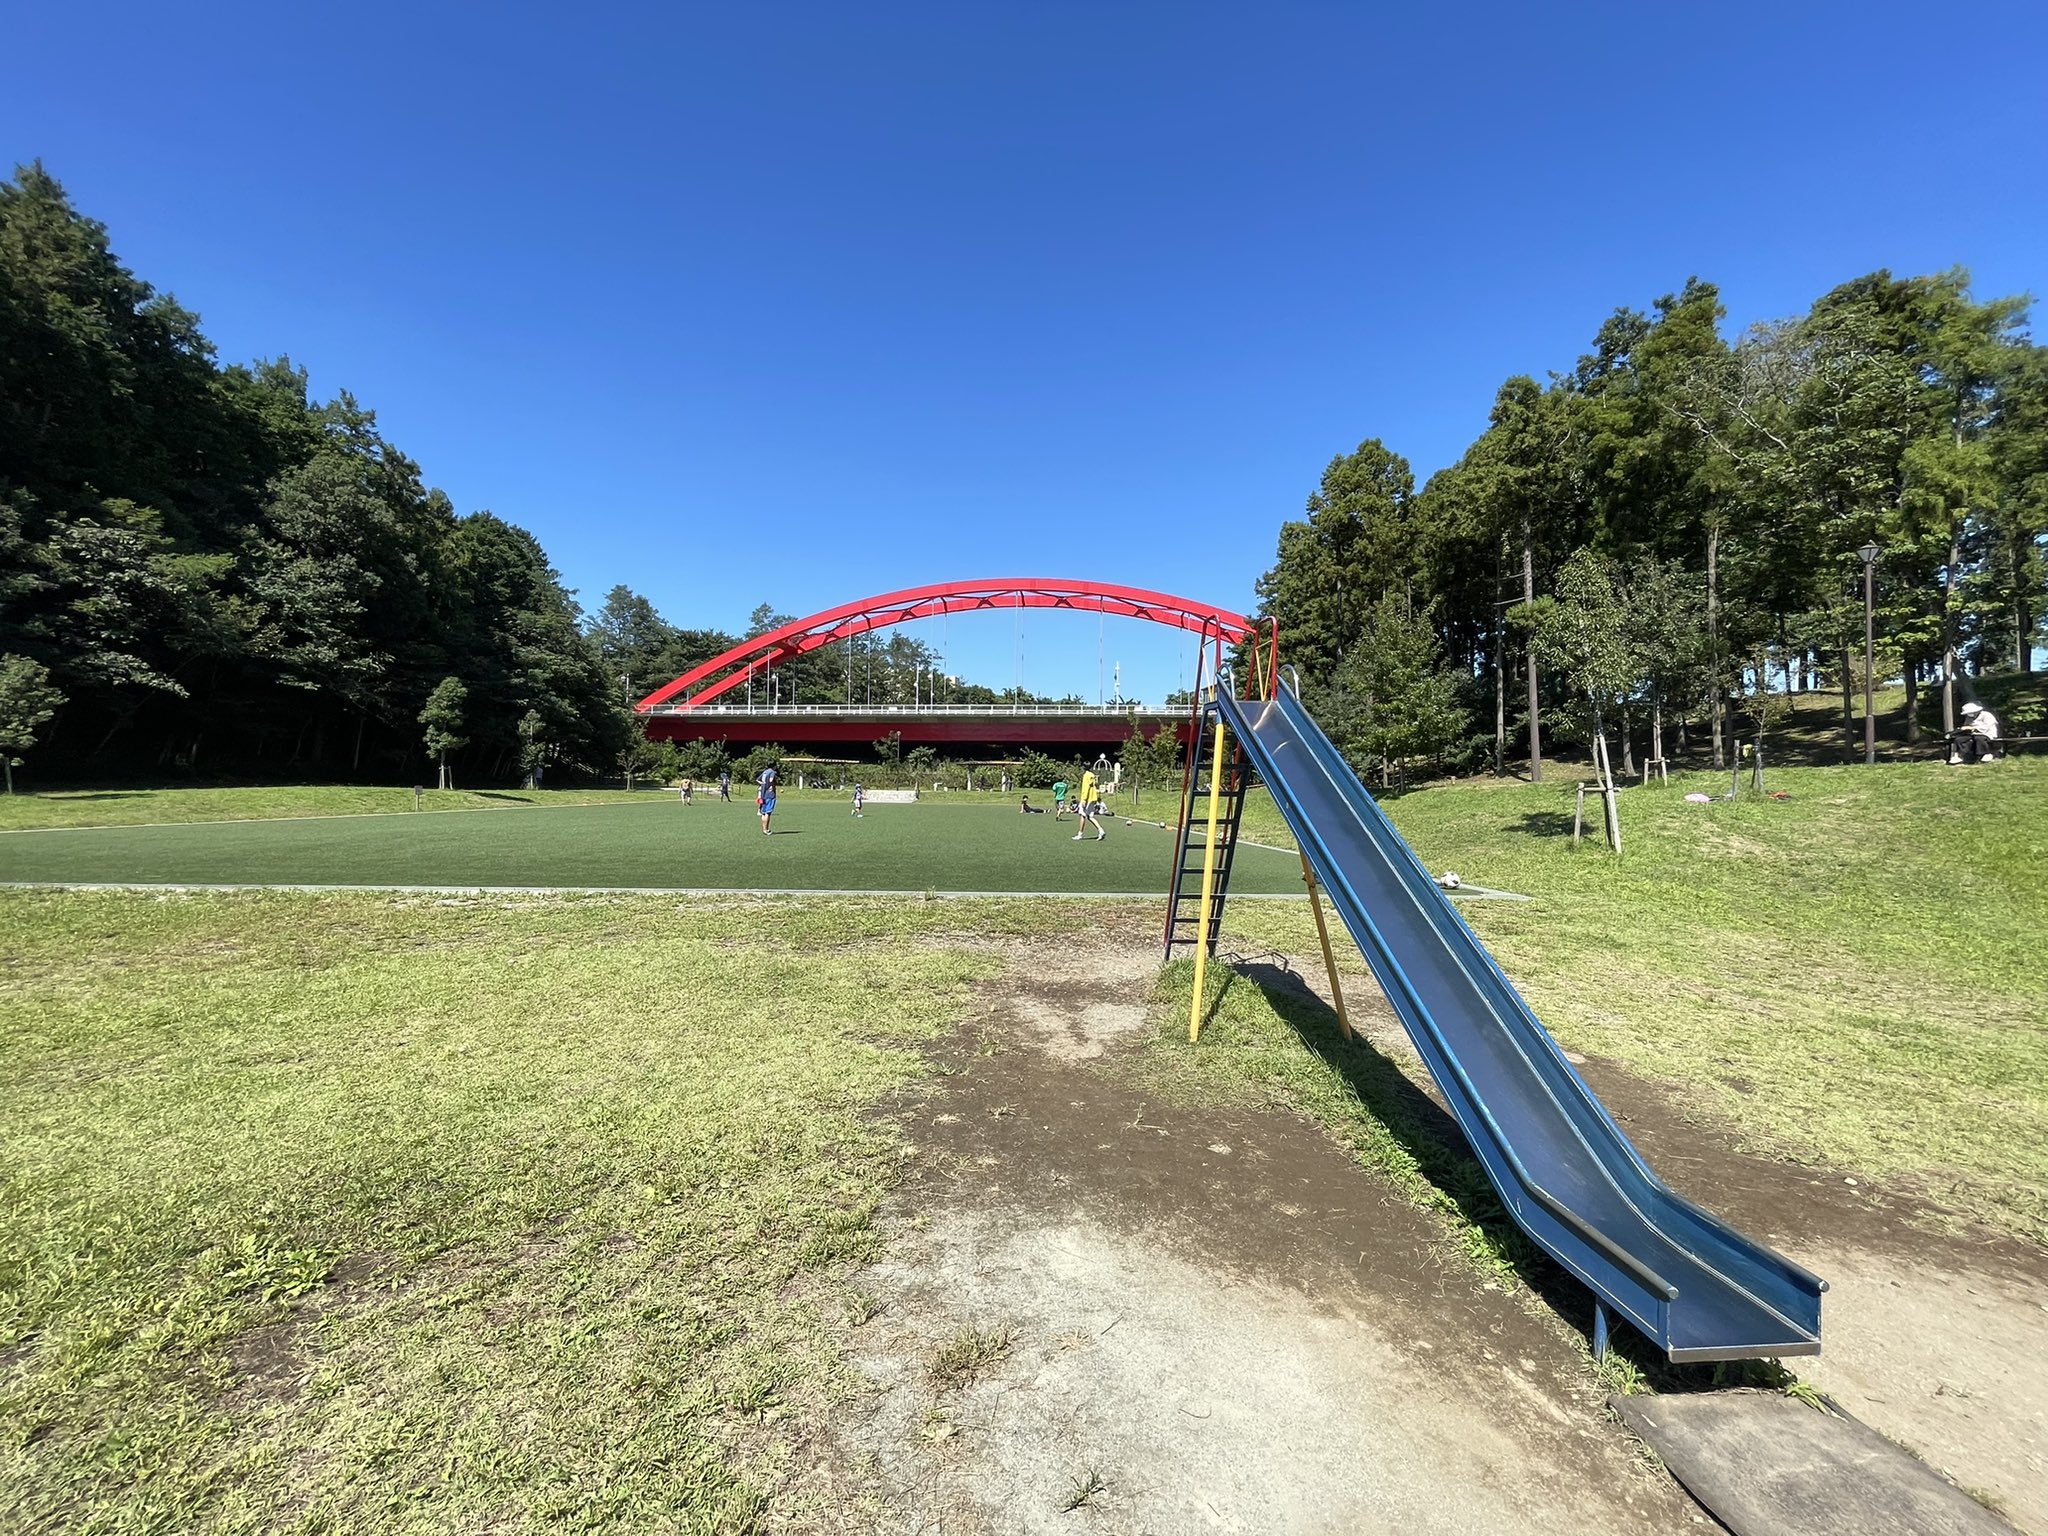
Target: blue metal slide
{"type": "Point", "coordinates": [1691, 1283]}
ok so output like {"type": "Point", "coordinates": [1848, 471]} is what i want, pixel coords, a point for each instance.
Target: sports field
{"type": "Point", "coordinates": [649, 843]}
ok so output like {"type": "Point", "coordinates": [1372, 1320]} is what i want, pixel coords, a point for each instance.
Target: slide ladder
{"type": "Point", "coordinates": [1184, 927]}
{"type": "Point", "coordinates": [1567, 1175]}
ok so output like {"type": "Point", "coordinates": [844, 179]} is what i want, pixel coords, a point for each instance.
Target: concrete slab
{"type": "Point", "coordinates": [1766, 1464]}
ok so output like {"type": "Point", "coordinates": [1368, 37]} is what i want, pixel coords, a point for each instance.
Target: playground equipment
{"type": "Point", "coordinates": [1689, 1282]}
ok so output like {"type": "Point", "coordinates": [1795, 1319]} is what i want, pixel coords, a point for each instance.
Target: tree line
{"type": "Point", "coordinates": [1647, 552]}
{"type": "Point", "coordinates": [204, 570]}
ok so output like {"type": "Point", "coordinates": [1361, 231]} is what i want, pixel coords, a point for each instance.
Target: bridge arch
{"type": "Point", "coordinates": [703, 683]}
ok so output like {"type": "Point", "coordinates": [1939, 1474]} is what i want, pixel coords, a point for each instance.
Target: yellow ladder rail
{"type": "Point", "coordinates": [1208, 886]}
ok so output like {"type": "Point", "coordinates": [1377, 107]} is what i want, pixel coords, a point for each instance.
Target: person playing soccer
{"type": "Point", "coordinates": [860, 797]}
{"type": "Point", "coordinates": [688, 788]}
{"type": "Point", "coordinates": [1059, 798]}
{"type": "Point", "coordinates": [725, 785]}
{"type": "Point", "coordinates": [764, 800]}
{"type": "Point", "coordinates": [1090, 807]}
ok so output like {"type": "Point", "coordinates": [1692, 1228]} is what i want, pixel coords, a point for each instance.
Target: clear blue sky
{"type": "Point", "coordinates": [796, 303]}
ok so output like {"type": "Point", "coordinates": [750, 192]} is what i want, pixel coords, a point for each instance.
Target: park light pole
{"type": "Point", "coordinates": [1869, 554]}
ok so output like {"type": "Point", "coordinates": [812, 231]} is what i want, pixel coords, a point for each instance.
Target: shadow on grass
{"type": "Point", "coordinates": [1543, 824]}
{"type": "Point", "coordinates": [1428, 1134]}
{"type": "Point", "coordinates": [494, 794]}
{"type": "Point", "coordinates": [98, 794]}
{"type": "Point", "coordinates": [1421, 1127]}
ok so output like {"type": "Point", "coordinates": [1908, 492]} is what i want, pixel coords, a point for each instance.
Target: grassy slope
{"type": "Point", "coordinates": [1852, 975]}
{"type": "Point", "coordinates": [389, 1214]}
{"type": "Point", "coordinates": [947, 845]}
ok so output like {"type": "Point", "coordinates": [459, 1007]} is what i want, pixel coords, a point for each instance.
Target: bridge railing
{"type": "Point", "coordinates": [908, 711]}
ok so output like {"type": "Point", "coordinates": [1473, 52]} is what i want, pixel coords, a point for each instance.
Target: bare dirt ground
{"type": "Point", "coordinates": [1934, 1329]}
{"type": "Point", "coordinates": [1191, 1321]}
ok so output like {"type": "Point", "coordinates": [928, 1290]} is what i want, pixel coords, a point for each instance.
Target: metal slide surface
{"type": "Point", "coordinates": [1691, 1283]}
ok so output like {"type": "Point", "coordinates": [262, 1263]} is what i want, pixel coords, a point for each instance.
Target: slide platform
{"type": "Point", "coordinates": [1688, 1281]}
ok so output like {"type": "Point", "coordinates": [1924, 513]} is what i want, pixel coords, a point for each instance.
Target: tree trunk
{"type": "Point", "coordinates": [1603, 768]}
{"type": "Point", "coordinates": [1656, 727]}
{"type": "Point", "coordinates": [356, 762]}
{"type": "Point", "coordinates": [1628, 751]}
{"type": "Point", "coordinates": [1500, 679]}
{"type": "Point", "coordinates": [7, 761]}
{"type": "Point", "coordinates": [1948, 628]}
{"type": "Point", "coordinates": [1535, 706]}
{"type": "Point", "coordinates": [1715, 702]}
{"type": "Point", "coordinates": [1912, 703]}
{"type": "Point", "coordinates": [1850, 729]}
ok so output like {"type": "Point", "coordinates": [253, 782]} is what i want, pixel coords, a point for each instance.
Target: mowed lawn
{"type": "Point", "coordinates": [648, 843]}
{"type": "Point", "coordinates": [376, 1213]}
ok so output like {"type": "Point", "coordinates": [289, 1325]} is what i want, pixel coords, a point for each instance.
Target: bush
{"type": "Point", "coordinates": [1037, 771]}
{"type": "Point", "coordinates": [749, 766]}
{"type": "Point", "coordinates": [700, 759]}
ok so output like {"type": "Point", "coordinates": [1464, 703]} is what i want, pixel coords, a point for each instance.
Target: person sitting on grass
{"type": "Point", "coordinates": [1028, 809]}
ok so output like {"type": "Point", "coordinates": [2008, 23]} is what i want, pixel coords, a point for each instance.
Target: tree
{"type": "Point", "coordinates": [1357, 545]}
{"type": "Point", "coordinates": [1392, 699]}
{"type": "Point", "coordinates": [1583, 633]}
{"type": "Point", "coordinates": [28, 702]}
{"type": "Point", "coordinates": [533, 747]}
{"type": "Point", "coordinates": [443, 716]}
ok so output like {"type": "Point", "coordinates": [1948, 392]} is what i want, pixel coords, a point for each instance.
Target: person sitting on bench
{"type": "Point", "coordinates": [1977, 741]}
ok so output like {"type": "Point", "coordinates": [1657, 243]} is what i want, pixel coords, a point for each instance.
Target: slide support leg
{"type": "Point", "coordinates": [1208, 887]}
{"type": "Point", "coordinates": [1599, 1330]}
{"type": "Point", "coordinates": [1315, 905]}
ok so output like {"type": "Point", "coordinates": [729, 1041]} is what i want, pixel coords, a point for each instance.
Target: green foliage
{"type": "Point", "coordinates": [202, 554]}
{"type": "Point", "coordinates": [700, 760]}
{"type": "Point", "coordinates": [444, 715]}
{"type": "Point", "coordinates": [1723, 490]}
{"type": "Point", "coordinates": [1037, 771]}
{"type": "Point", "coordinates": [28, 702]}
{"type": "Point", "coordinates": [748, 765]}
{"type": "Point", "coordinates": [1390, 699]}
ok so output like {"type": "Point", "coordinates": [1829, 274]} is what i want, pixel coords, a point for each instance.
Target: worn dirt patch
{"type": "Point", "coordinates": [1215, 1314]}
{"type": "Point", "coordinates": [1934, 1328]}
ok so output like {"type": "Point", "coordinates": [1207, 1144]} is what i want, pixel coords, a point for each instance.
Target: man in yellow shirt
{"type": "Point", "coordinates": [1091, 806]}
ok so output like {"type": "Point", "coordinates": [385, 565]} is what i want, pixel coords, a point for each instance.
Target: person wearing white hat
{"type": "Point", "coordinates": [1977, 741]}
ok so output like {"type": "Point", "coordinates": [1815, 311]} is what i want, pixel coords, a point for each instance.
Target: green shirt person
{"type": "Point", "coordinates": [1059, 798]}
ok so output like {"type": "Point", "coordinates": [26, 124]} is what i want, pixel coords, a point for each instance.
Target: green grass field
{"type": "Point", "coordinates": [382, 1214]}
{"type": "Point", "coordinates": [393, 1213]}
{"type": "Point", "coordinates": [947, 843]}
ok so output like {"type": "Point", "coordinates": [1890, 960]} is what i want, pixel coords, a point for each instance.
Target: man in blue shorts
{"type": "Point", "coordinates": [764, 799]}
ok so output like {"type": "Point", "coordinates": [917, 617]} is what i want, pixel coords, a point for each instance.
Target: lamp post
{"type": "Point", "coordinates": [1869, 554]}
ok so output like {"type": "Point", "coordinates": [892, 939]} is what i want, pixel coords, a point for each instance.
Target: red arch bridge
{"type": "Point", "coordinates": [734, 696]}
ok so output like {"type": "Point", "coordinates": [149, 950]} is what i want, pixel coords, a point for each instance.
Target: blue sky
{"type": "Point", "coordinates": [742, 304]}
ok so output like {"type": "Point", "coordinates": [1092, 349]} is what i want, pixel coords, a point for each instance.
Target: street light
{"type": "Point", "coordinates": [1869, 554]}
